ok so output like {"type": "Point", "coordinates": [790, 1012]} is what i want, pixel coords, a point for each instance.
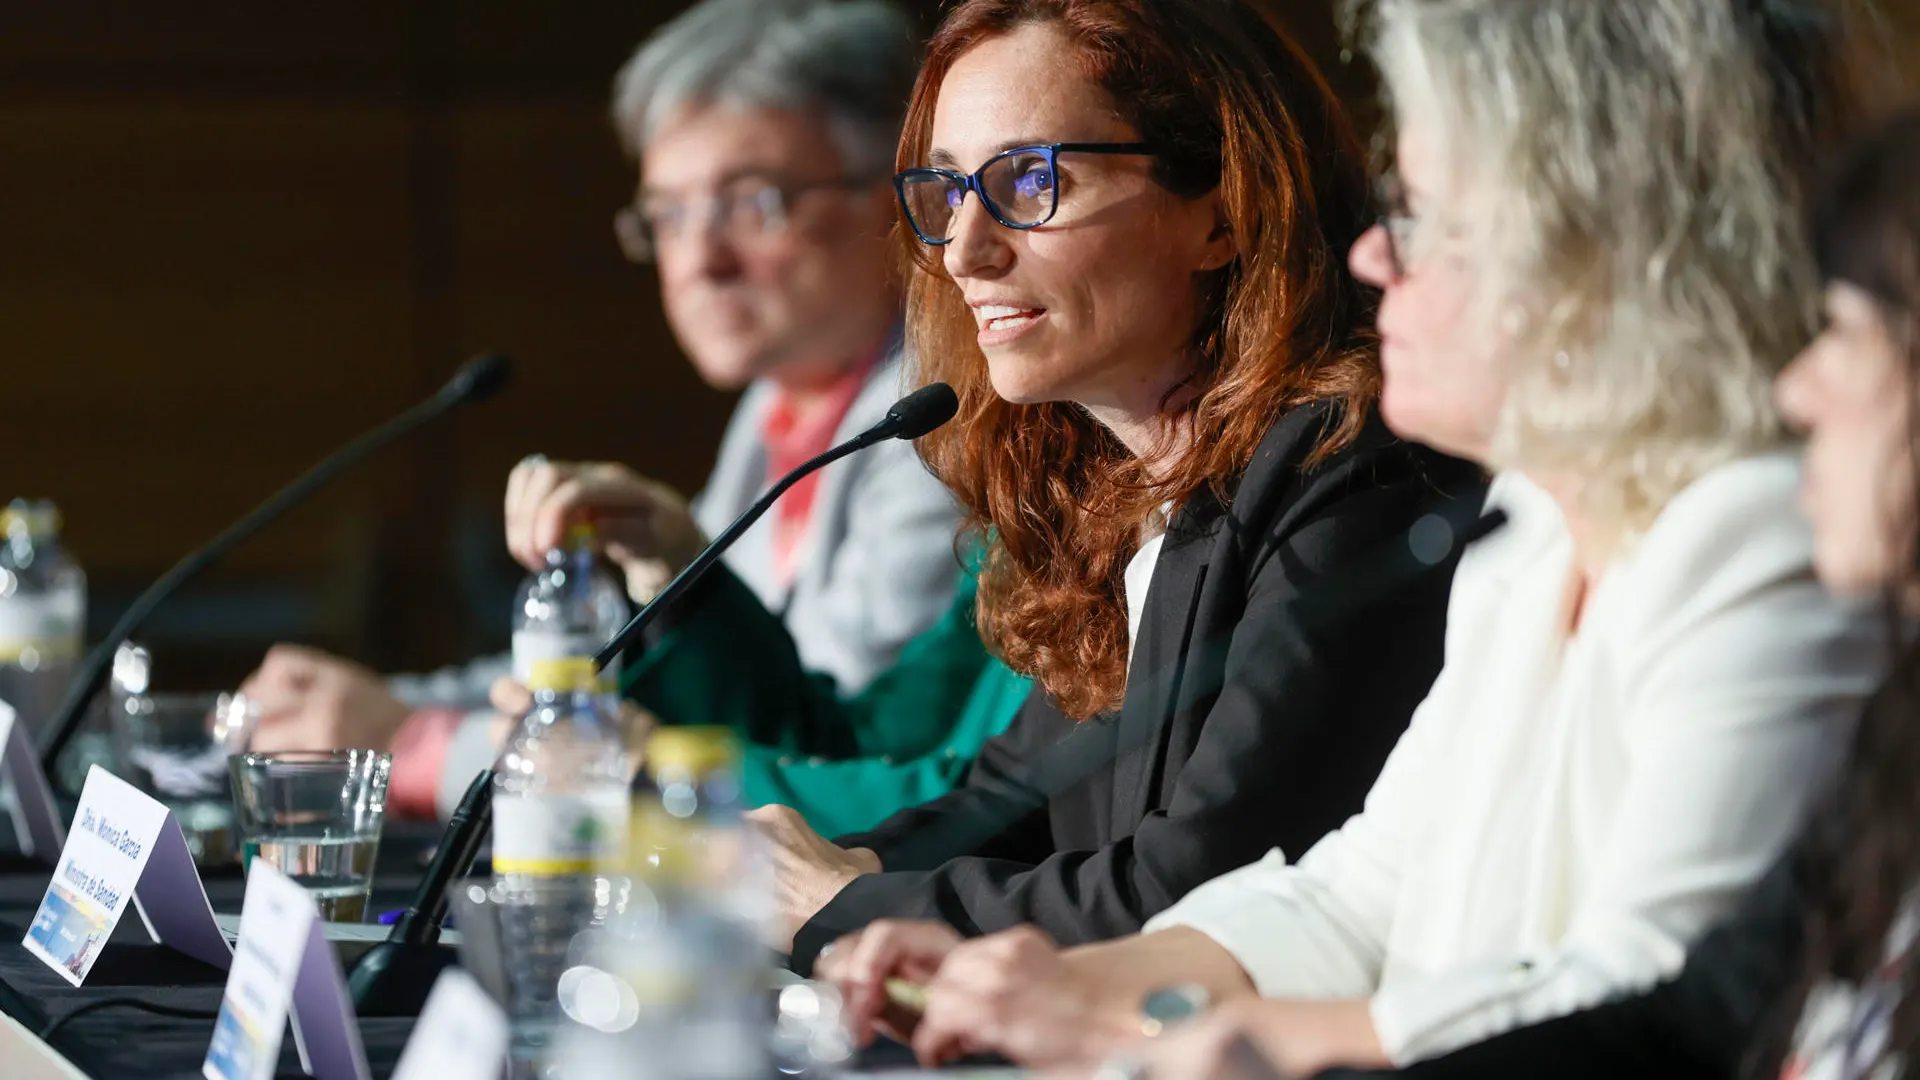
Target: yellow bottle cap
{"type": "Point", "coordinates": [569, 673]}
{"type": "Point", "coordinates": [691, 749]}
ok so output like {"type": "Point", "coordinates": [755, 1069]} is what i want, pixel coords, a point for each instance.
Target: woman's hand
{"type": "Point", "coordinates": [808, 869]}
{"type": "Point", "coordinates": [862, 963]}
{"type": "Point", "coordinates": [1015, 994]}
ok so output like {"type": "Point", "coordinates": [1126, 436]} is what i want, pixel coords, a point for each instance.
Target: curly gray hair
{"type": "Point", "coordinates": [1634, 175]}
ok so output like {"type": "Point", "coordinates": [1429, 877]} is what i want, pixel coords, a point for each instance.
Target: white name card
{"type": "Point", "coordinates": [125, 848]}
{"type": "Point", "coordinates": [282, 964]}
{"type": "Point", "coordinates": [36, 817]}
{"type": "Point", "coordinates": [461, 1034]}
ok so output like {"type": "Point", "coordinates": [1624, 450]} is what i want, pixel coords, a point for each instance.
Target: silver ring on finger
{"type": "Point", "coordinates": [532, 460]}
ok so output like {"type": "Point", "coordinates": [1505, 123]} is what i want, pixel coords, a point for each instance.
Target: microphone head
{"type": "Point", "coordinates": [478, 379]}
{"type": "Point", "coordinates": [921, 411]}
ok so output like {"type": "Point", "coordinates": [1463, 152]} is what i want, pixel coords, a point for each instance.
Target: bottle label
{"type": "Point", "coordinates": [43, 629]}
{"type": "Point", "coordinates": [554, 835]}
{"type": "Point", "coordinates": [532, 646]}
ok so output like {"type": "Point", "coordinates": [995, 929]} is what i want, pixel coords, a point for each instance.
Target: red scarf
{"type": "Point", "coordinates": [790, 440]}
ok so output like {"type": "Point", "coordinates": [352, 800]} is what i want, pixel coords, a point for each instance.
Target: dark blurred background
{"type": "Point", "coordinates": [234, 234]}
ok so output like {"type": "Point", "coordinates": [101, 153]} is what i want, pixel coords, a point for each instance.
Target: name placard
{"type": "Point", "coordinates": [461, 1034]}
{"type": "Point", "coordinates": [124, 849]}
{"type": "Point", "coordinates": [282, 964]}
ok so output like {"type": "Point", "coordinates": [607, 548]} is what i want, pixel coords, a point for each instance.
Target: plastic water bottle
{"type": "Point", "coordinates": [560, 818]}
{"type": "Point", "coordinates": [680, 987]}
{"type": "Point", "coordinates": [43, 611]}
{"type": "Point", "coordinates": [568, 609]}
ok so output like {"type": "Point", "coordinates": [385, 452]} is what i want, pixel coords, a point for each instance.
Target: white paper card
{"type": "Point", "coordinates": [282, 964]}
{"type": "Point", "coordinates": [324, 1026]}
{"type": "Point", "coordinates": [461, 1034]}
{"type": "Point", "coordinates": [276, 918]}
{"type": "Point", "coordinates": [125, 848]}
{"type": "Point", "coordinates": [36, 817]}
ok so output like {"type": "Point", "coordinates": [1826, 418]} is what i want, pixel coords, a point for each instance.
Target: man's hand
{"type": "Point", "coordinates": [809, 870]}
{"type": "Point", "coordinates": [311, 700]}
{"type": "Point", "coordinates": [644, 526]}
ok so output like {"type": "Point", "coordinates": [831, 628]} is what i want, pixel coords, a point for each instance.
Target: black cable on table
{"type": "Point", "coordinates": [175, 1011]}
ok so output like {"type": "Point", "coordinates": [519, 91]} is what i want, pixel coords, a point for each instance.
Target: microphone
{"type": "Point", "coordinates": [481, 378]}
{"type": "Point", "coordinates": [911, 417]}
{"type": "Point", "coordinates": [393, 978]}
{"type": "Point", "coordinates": [477, 380]}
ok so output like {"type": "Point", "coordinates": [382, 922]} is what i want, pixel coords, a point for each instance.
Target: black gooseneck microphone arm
{"type": "Point", "coordinates": [911, 417]}
{"type": "Point", "coordinates": [479, 379]}
{"type": "Point", "coordinates": [394, 977]}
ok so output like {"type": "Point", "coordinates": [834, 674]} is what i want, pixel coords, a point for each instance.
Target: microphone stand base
{"type": "Point", "coordinates": [393, 978]}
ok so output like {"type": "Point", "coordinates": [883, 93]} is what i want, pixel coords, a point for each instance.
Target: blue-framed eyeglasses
{"type": "Point", "coordinates": [1019, 187]}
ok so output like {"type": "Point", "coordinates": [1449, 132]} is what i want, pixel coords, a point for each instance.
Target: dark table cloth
{"type": "Point", "coordinates": [123, 1043]}
{"type": "Point", "coordinates": [116, 1043]}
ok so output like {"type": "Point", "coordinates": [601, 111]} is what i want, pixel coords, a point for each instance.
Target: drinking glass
{"type": "Point", "coordinates": [175, 747]}
{"type": "Point", "coordinates": [315, 815]}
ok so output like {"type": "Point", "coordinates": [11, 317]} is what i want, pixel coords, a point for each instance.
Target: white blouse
{"type": "Point", "coordinates": [1139, 573]}
{"type": "Point", "coordinates": [1564, 815]}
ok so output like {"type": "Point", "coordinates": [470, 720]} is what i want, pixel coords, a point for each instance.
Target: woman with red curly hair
{"type": "Point", "coordinates": [1127, 222]}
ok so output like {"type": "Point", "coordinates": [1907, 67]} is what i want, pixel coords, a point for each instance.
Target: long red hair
{"type": "Point", "coordinates": [1230, 102]}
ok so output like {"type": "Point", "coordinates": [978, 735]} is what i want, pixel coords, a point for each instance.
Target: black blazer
{"type": "Point", "coordinates": [1285, 641]}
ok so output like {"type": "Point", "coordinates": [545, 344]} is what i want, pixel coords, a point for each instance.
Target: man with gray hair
{"type": "Point", "coordinates": [764, 131]}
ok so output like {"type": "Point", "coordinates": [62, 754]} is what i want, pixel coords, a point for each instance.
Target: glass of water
{"type": "Point", "coordinates": [315, 815]}
{"type": "Point", "coordinates": [175, 747]}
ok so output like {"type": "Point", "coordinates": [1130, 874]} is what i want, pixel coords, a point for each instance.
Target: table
{"type": "Point", "coordinates": [116, 1043]}
{"type": "Point", "coordinates": [125, 1043]}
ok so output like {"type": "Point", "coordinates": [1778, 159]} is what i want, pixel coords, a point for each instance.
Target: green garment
{"type": "Point", "coordinates": [846, 763]}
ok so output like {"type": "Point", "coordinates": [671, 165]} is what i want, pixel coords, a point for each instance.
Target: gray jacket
{"type": "Point", "coordinates": [877, 564]}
